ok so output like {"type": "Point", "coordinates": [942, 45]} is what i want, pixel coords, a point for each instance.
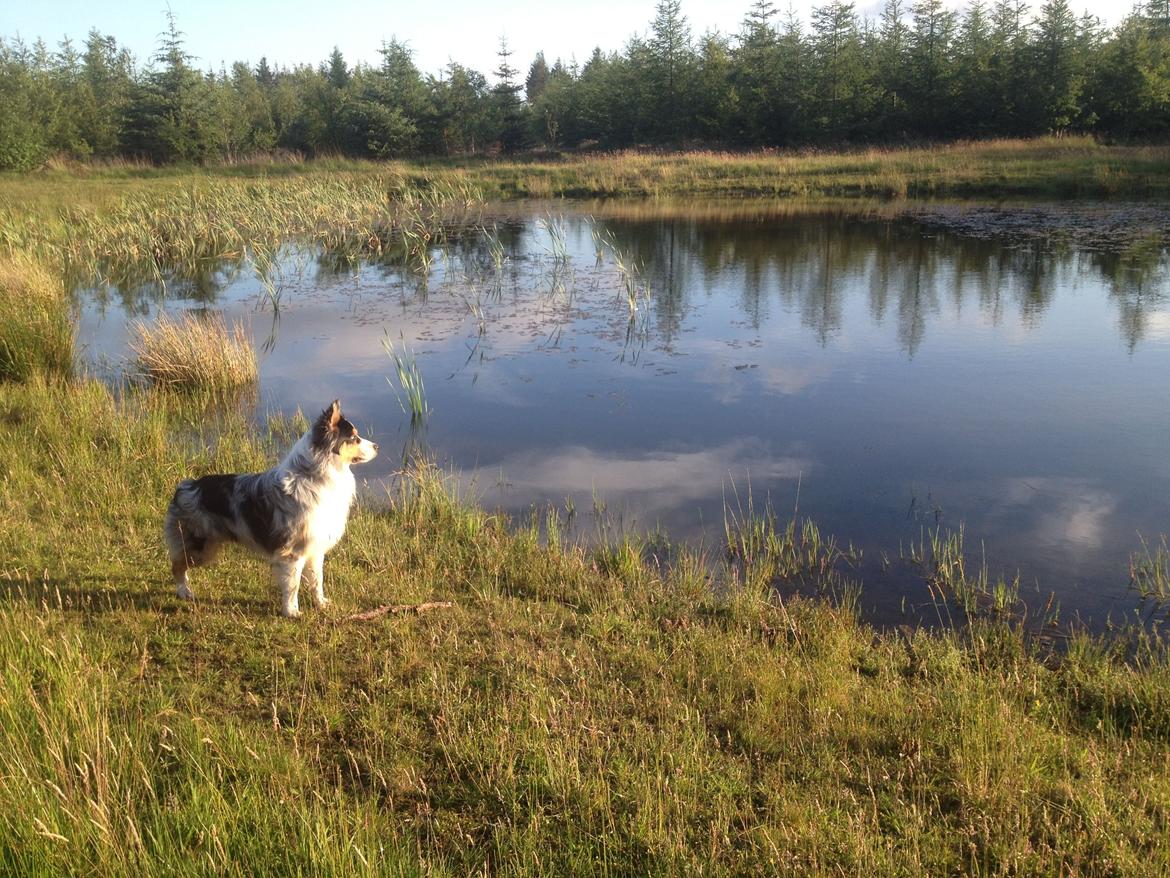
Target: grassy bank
{"type": "Point", "coordinates": [36, 337]}
{"type": "Point", "coordinates": [1041, 168]}
{"type": "Point", "coordinates": [573, 710]}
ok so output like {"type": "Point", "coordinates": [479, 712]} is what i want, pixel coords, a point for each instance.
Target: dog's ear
{"type": "Point", "coordinates": [334, 414]}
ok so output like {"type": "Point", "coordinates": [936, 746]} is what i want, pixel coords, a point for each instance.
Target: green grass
{"type": "Point", "coordinates": [574, 711]}
{"type": "Point", "coordinates": [36, 327]}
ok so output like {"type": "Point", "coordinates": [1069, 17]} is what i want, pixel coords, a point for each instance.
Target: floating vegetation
{"type": "Point", "coordinates": [411, 392]}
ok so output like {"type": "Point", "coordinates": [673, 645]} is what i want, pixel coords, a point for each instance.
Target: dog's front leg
{"type": "Point", "coordinates": [288, 579]}
{"type": "Point", "coordinates": [316, 571]}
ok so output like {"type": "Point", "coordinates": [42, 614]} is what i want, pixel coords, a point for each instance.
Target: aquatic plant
{"type": "Point", "coordinates": [768, 550]}
{"type": "Point", "coordinates": [495, 246]}
{"type": "Point", "coordinates": [949, 575]}
{"type": "Point", "coordinates": [411, 392]}
{"type": "Point", "coordinates": [192, 352]}
{"type": "Point", "coordinates": [1149, 574]}
{"type": "Point", "coordinates": [554, 227]}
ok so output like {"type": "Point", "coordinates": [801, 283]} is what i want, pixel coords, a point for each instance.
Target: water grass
{"type": "Point", "coordinates": [36, 331]}
{"type": "Point", "coordinates": [410, 390]}
{"type": "Point", "coordinates": [554, 228]}
{"type": "Point", "coordinates": [1149, 575]}
{"type": "Point", "coordinates": [192, 352]}
{"type": "Point", "coordinates": [152, 231]}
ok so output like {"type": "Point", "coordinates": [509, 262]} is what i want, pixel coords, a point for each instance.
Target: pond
{"type": "Point", "coordinates": [650, 367]}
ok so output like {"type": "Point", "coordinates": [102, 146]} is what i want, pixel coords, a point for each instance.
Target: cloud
{"type": "Point", "coordinates": [657, 480]}
{"type": "Point", "coordinates": [1066, 512]}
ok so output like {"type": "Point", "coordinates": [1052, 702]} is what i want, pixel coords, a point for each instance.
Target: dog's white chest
{"type": "Point", "coordinates": [327, 517]}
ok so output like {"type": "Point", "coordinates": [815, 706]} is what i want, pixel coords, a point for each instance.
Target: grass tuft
{"type": "Point", "coordinates": [193, 353]}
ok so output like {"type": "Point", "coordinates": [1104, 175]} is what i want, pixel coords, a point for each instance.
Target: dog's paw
{"type": "Point", "coordinates": [291, 613]}
{"type": "Point", "coordinates": [323, 602]}
{"type": "Point", "coordinates": [185, 593]}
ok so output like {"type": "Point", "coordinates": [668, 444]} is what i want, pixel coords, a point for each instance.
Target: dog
{"type": "Point", "coordinates": [290, 515]}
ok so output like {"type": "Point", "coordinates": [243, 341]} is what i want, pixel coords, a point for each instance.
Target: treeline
{"type": "Point", "coordinates": [918, 71]}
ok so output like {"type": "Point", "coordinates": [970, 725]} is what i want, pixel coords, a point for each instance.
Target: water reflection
{"type": "Point", "coordinates": [844, 359]}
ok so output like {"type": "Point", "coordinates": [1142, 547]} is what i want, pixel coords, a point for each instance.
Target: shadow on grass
{"type": "Point", "coordinates": [105, 594]}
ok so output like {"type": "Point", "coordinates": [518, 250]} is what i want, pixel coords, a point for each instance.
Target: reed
{"type": "Point", "coordinates": [192, 353]}
{"type": "Point", "coordinates": [554, 228]}
{"type": "Point", "coordinates": [1149, 574]}
{"type": "Point", "coordinates": [411, 392]}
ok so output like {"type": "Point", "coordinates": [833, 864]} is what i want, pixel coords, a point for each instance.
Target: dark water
{"type": "Point", "coordinates": [887, 379]}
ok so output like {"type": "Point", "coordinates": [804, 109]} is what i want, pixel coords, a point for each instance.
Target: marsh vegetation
{"type": "Point", "coordinates": [630, 703]}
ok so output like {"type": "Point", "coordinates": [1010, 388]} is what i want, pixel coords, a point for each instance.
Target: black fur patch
{"type": "Point", "coordinates": [215, 495]}
{"type": "Point", "coordinates": [322, 439]}
{"type": "Point", "coordinates": [259, 514]}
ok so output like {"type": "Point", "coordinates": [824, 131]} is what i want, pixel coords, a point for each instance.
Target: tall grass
{"type": "Point", "coordinates": [1042, 167]}
{"type": "Point", "coordinates": [156, 229]}
{"type": "Point", "coordinates": [193, 353]}
{"type": "Point", "coordinates": [36, 329]}
{"type": "Point", "coordinates": [1149, 575]}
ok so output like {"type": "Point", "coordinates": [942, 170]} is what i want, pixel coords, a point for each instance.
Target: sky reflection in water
{"type": "Point", "coordinates": [901, 378]}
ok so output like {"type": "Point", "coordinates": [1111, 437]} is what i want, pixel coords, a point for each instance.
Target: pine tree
{"type": "Point", "coordinates": [893, 75]}
{"type": "Point", "coordinates": [537, 79]}
{"type": "Point", "coordinates": [841, 80]}
{"type": "Point", "coordinates": [671, 67]}
{"type": "Point", "coordinates": [337, 71]}
{"type": "Point", "coordinates": [170, 116]}
{"type": "Point", "coordinates": [1057, 67]}
{"type": "Point", "coordinates": [930, 67]}
{"type": "Point", "coordinates": [510, 121]}
{"type": "Point", "coordinates": [755, 73]}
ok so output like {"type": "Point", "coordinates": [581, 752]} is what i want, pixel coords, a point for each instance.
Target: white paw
{"type": "Point", "coordinates": [323, 601]}
{"type": "Point", "coordinates": [184, 592]}
{"type": "Point", "coordinates": [291, 612]}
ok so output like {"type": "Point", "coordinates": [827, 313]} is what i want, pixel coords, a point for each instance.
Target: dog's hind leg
{"type": "Point", "coordinates": [287, 575]}
{"type": "Point", "coordinates": [316, 571]}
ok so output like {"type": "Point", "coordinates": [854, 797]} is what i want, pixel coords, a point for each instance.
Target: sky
{"type": "Point", "coordinates": [290, 32]}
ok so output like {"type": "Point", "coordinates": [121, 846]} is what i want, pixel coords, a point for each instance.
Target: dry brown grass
{"type": "Point", "coordinates": [191, 352]}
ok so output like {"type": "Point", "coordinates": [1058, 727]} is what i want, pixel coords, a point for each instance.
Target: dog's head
{"type": "Point", "coordinates": [334, 435]}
